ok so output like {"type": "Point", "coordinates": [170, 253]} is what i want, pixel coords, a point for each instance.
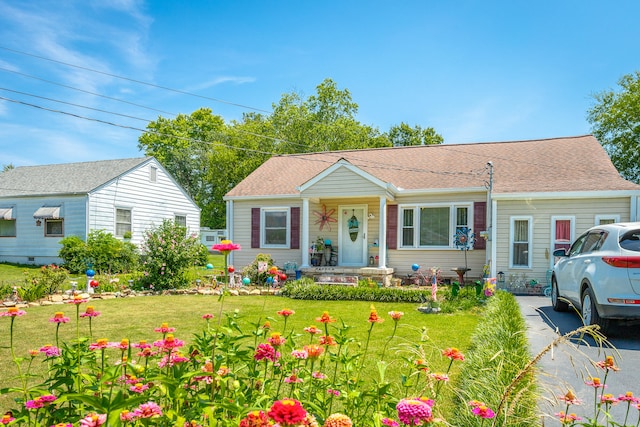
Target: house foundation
{"type": "Point", "coordinates": [349, 275]}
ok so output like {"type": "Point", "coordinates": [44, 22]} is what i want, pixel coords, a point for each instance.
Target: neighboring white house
{"type": "Point", "coordinates": [527, 197]}
{"type": "Point", "coordinates": [40, 205]}
{"type": "Point", "coordinates": [210, 237]}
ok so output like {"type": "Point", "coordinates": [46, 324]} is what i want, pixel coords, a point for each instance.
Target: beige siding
{"type": "Point", "coordinates": [541, 212]}
{"type": "Point", "coordinates": [343, 182]}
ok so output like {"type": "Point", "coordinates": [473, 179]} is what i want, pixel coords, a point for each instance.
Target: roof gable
{"type": "Point", "coordinates": [340, 164]}
{"type": "Point", "coordinates": [66, 178]}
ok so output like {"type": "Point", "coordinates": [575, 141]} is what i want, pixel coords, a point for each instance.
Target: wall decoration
{"type": "Point", "coordinates": [354, 226]}
{"type": "Point", "coordinates": [325, 218]}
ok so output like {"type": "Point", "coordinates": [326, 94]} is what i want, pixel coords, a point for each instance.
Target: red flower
{"type": "Point", "coordinates": [287, 412]}
{"type": "Point", "coordinates": [327, 340]}
{"type": "Point", "coordinates": [285, 312]}
{"type": "Point", "coordinates": [453, 354]}
{"type": "Point", "coordinates": [373, 316]}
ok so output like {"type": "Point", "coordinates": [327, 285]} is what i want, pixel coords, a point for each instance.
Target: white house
{"type": "Point", "coordinates": [522, 200]}
{"type": "Point", "coordinates": [40, 205]}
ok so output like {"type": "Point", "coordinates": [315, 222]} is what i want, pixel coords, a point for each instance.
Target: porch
{"type": "Point", "coordinates": [348, 275]}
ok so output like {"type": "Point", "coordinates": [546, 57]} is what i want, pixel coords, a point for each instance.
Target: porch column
{"type": "Point", "coordinates": [382, 234]}
{"type": "Point", "coordinates": [304, 229]}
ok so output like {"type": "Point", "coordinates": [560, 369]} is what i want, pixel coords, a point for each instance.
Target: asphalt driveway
{"type": "Point", "coordinates": [569, 364]}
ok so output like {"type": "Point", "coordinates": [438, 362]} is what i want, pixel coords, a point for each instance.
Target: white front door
{"type": "Point", "coordinates": [352, 235]}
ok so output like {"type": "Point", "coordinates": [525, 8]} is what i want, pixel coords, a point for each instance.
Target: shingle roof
{"type": "Point", "coordinates": [559, 164]}
{"type": "Point", "coordinates": [66, 178]}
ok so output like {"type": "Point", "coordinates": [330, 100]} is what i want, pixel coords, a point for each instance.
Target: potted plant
{"type": "Point", "coordinates": [317, 249]}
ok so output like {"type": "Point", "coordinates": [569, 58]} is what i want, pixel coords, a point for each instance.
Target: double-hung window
{"type": "Point", "coordinates": [123, 221]}
{"type": "Point", "coordinates": [275, 223]}
{"type": "Point", "coordinates": [7, 223]}
{"type": "Point", "coordinates": [520, 235]}
{"type": "Point", "coordinates": [54, 227]}
{"type": "Point", "coordinates": [432, 226]}
{"type": "Point", "coordinates": [181, 220]}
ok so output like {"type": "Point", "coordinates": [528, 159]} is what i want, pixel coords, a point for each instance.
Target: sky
{"type": "Point", "coordinates": [79, 80]}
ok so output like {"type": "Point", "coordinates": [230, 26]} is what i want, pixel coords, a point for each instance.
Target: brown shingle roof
{"type": "Point", "coordinates": [558, 164]}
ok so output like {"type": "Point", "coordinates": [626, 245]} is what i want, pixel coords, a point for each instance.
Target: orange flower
{"type": "Point", "coordinates": [313, 351]}
{"type": "Point", "coordinates": [373, 316]}
{"type": "Point", "coordinates": [285, 312]}
{"type": "Point", "coordinates": [312, 330]}
{"type": "Point", "coordinates": [396, 315]}
{"type": "Point", "coordinates": [327, 340]}
{"type": "Point", "coordinates": [337, 420]}
{"type": "Point", "coordinates": [608, 364]}
{"type": "Point", "coordinates": [325, 318]}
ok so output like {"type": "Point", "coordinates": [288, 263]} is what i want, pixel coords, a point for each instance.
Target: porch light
{"type": "Point", "coordinates": [500, 280]}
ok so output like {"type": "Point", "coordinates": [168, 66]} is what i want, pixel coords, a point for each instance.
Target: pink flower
{"type": "Point", "coordinates": [90, 312]}
{"type": "Point", "coordinates": [6, 418]}
{"type": "Point", "coordinates": [141, 344]}
{"type": "Point", "coordinates": [93, 420]}
{"type": "Point", "coordinates": [127, 416]}
{"type": "Point", "coordinates": [318, 375]}
{"type": "Point", "coordinates": [36, 403]}
{"type": "Point", "coordinates": [396, 315]}
{"type": "Point", "coordinates": [285, 312]}
{"type": "Point", "coordinates": [595, 383]}
{"type": "Point", "coordinates": [453, 354]}
{"type": "Point", "coordinates": [168, 343]}
{"type": "Point", "coordinates": [414, 411]}
{"type": "Point", "coordinates": [165, 329]}
{"type": "Point", "coordinates": [265, 351]}
{"type": "Point", "coordinates": [293, 379]}
{"type": "Point", "coordinates": [567, 418]}
{"type": "Point", "coordinates": [77, 300]}
{"type": "Point", "coordinates": [225, 246]}
{"type": "Point", "coordinates": [608, 399]}
{"type": "Point", "coordinates": [570, 398]}
{"type": "Point", "coordinates": [59, 317]}
{"type": "Point", "coordinates": [299, 354]}
{"type": "Point", "coordinates": [628, 397]}
{"type": "Point", "coordinates": [334, 392]}
{"type": "Point", "coordinates": [312, 330]}
{"type": "Point", "coordinates": [148, 410]}
{"type": "Point", "coordinates": [439, 377]}
{"type": "Point", "coordinates": [608, 364]}
{"type": "Point", "coordinates": [207, 316]}
{"type": "Point", "coordinates": [276, 339]}
{"type": "Point", "coordinates": [139, 388]}
{"type": "Point", "coordinates": [13, 312]}
{"type": "Point", "coordinates": [389, 422]}
{"type": "Point", "coordinates": [483, 411]}
{"type": "Point", "coordinates": [50, 350]}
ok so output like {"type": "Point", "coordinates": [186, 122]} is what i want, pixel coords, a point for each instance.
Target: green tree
{"type": "Point", "coordinates": [405, 135]}
{"type": "Point", "coordinates": [615, 120]}
{"type": "Point", "coordinates": [8, 167]}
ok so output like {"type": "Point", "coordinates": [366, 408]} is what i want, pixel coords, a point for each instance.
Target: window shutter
{"type": "Point", "coordinates": [392, 226]}
{"type": "Point", "coordinates": [480, 224]}
{"type": "Point", "coordinates": [294, 239]}
{"type": "Point", "coordinates": [255, 227]}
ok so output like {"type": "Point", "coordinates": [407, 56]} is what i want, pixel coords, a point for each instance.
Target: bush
{"type": "Point", "coordinates": [46, 282]}
{"type": "Point", "coordinates": [105, 254]}
{"type": "Point", "coordinates": [306, 289]}
{"type": "Point", "coordinates": [169, 253]}
{"type": "Point", "coordinates": [251, 270]}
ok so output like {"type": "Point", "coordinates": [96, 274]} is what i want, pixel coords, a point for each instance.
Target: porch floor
{"type": "Point", "coordinates": [380, 275]}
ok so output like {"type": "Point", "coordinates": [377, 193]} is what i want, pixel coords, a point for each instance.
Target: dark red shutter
{"type": "Point", "coordinates": [255, 227]}
{"type": "Point", "coordinates": [294, 239]}
{"type": "Point", "coordinates": [392, 226]}
{"type": "Point", "coordinates": [479, 224]}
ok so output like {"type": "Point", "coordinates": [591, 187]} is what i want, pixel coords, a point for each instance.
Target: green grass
{"type": "Point", "coordinates": [135, 319]}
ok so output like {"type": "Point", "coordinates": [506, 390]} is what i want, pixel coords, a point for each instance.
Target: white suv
{"type": "Point", "coordinates": [600, 274]}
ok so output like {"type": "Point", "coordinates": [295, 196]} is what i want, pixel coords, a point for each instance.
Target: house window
{"type": "Point", "coordinates": [562, 229]}
{"type": "Point", "coordinates": [520, 256]}
{"type": "Point", "coordinates": [181, 220]}
{"type": "Point", "coordinates": [123, 221]}
{"type": "Point", "coordinates": [435, 225]}
{"type": "Point", "coordinates": [153, 173]}
{"type": "Point", "coordinates": [53, 228]}
{"type": "Point", "coordinates": [607, 219]}
{"type": "Point", "coordinates": [7, 227]}
{"type": "Point", "coordinates": [275, 227]}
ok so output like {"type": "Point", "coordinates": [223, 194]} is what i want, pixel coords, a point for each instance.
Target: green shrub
{"type": "Point", "coordinates": [169, 253]}
{"type": "Point", "coordinates": [306, 289]}
{"type": "Point", "coordinates": [499, 353]}
{"type": "Point", "coordinates": [46, 282]}
{"type": "Point", "coordinates": [251, 270]}
{"type": "Point", "coordinates": [105, 253]}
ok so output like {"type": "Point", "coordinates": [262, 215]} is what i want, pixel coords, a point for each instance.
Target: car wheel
{"type": "Point", "coordinates": [557, 303]}
{"type": "Point", "coordinates": [590, 314]}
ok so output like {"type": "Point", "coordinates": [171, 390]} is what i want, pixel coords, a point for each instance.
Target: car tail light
{"type": "Point", "coordinates": [622, 261]}
{"type": "Point", "coordinates": [623, 301]}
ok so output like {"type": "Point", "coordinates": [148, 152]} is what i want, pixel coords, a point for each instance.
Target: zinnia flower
{"type": "Point", "coordinates": [595, 383]}
{"type": "Point", "coordinates": [628, 397]}
{"type": "Point", "coordinates": [165, 329]}
{"type": "Point", "coordinates": [337, 420]}
{"type": "Point", "coordinates": [285, 312]}
{"type": "Point", "coordinates": [373, 316]}
{"type": "Point", "coordinates": [312, 330]}
{"type": "Point", "coordinates": [59, 317]}
{"type": "Point", "coordinates": [414, 411]}
{"type": "Point", "coordinates": [313, 351]}
{"type": "Point", "coordinates": [570, 398]}
{"type": "Point", "coordinates": [77, 300]}
{"type": "Point", "coordinates": [327, 340]}
{"type": "Point", "coordinates": [453, 354]}
{"type": "Point", "coordinates": [50, 350]}
{"type": "Point", "coordinates": [325, 318]}
{"type": "Point", "coordinates": [139, 388]}
{"type": "Point", "coordinates": [276, 339]}
{"type": "Point", "coordinates": [7, 418]}
{"type": "Point", "coordinates": [62, 425]}
{"type": "Point", "coordinates": [389, 422]}
{"type": "Point", "coordinates": [90, 312]}
{"type": "Point", "coordinates": [127, 416]}
{"type": "Point", "coordinates": [148, 410]}
{"type": "Point", "coordinates": [168, 343]}
{"type": "Point", "coordinates": [299, 354]}
{"type": "Point", "coordinates": [255, 419]}
{"type": "Point", "coordinates": [265, 351]}
{"type": "Point", "coordinates": [609, 399]}
{"type": "Point", "coordinates": [396, 315]}
{"type": "Point", "coordinates": [483, 411]}
{"type": "Point", "coordinates": [567, 418]}
{"type": "Point", "coordinates": [287, 412]}
{"type": "Point", "coordinates": [93, 420]}
{"type": "Point", "coordinates": [13, 312]}
{"type": "Point", "coordinates": [608, 364]}
{"type": "Point", "coordinates": [207, 316]}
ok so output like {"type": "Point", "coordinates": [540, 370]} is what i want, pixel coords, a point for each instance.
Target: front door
{"type": "Point", "coordinates": [352, 235]}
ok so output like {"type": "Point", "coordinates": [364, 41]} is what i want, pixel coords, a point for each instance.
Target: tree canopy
{"type": "Point", "coordinates": [615, 120]}
{"type": "Point", "coordinates": [209, 156]}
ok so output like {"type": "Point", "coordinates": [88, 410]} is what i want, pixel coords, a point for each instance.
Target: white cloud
{"type": "Point", "coordinates": [238, 80]}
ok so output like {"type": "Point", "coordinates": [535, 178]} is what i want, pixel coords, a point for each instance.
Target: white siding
{"type": "Point", "coordinates": [30, 246]}
{"type": "Point", "coordinates": [150, 203]}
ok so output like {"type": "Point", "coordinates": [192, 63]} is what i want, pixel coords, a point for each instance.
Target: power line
{"type": "Point", "coordinates": [183, 92]}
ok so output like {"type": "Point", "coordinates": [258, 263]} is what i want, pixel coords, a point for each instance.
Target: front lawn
{"type": "Point", "coordinates": [360, 345]}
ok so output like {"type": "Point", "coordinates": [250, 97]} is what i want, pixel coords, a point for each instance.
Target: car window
{"type": "Point", "coordinates": [593, 241]}
{"type": "Point", "coordinates": [631, 240]}
{"type": "Point", "coordinates": [577, 245]}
